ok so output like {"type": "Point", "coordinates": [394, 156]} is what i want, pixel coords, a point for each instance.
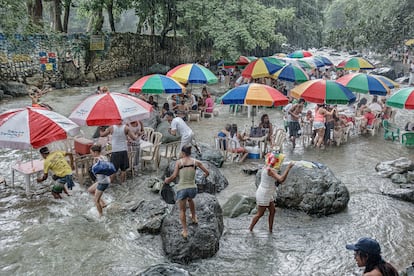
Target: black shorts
{"type": "Point", "coordinates": [294, 128]}
{"type": "Point", "coordinates": [120, 160]}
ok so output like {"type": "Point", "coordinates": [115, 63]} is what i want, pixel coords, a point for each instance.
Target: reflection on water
{"type": "Point", "coordinates": [42, 236]}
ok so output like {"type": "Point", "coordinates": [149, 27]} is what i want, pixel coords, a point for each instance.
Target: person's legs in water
{"type": "Point", "coordinates": [92, 190]}
{"type": "Point", "coordinates": [57, 190]}
{"type": "Point", "coordinates": [56, 195]}
{"type": "Point", "coordinates": [98, 201]}
{"type": "Point", "coordinates": [272, 211]}
{"type": "Point", "coordinates": [259, 214]}
{"type": "Point", "coordinates": [192, 210]}
{"type": "Point", "coordinates": [182, 206]}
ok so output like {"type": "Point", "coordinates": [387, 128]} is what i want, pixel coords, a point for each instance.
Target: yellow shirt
{"type": "Point", "coordinates": [57, 163]}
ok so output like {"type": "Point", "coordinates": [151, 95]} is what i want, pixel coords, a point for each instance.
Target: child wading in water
{"type": "Point", "coordinates": [102, 181]}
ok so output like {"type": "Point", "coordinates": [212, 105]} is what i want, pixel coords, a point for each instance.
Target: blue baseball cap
{"type": "Point", "coordinates": [366, 245]}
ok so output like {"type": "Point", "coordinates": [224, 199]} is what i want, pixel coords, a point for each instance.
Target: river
{"type": "Point", "coordinates": [43, 236]}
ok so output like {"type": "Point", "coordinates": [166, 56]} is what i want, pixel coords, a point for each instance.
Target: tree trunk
{"type": "Point", "coordinates": [35, 10]}
{"type": "Point", "coordinates": [109, 8]}
{"type": "Point", "coordinates": [57, 15]}
{"type": "Point", "coordinates": [67, 4]}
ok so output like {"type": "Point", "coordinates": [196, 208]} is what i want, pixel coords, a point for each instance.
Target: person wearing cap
{"type": "Point", "coordinates": [56, 162]}
{"type": "Point", "coordinates": [178, 126]}
{"type": "Point", "coordinates": [367, 254]}
{"type": "Point", "coordinates": [267, 187]}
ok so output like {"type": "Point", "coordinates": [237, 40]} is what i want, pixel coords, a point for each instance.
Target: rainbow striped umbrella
{"type": "Point", "coordinates": [363, 83]}
{"type": "Point", "coordinates": [254, 94]}
{"type": "Point", "coordinates": [243, 60]}
{"type": "Point", "coordinates": [291, 73]}
{"type": "Point", "coordinates": [156, 84]}
{"type": "Point", "coordinates": [403, 98]}
{"type": "Point", "coordinates": [388, 82]}
{"type": "Point", "coordinates": [323, 91]}
{"type": "Point", "coordinates": [300, 54]}
{"type": "Point", "coordinates": [262, 67]}
{"type": "Point", "coordinates": [192, 73]}
{"type": "Point", "coordinates": [355, 63]}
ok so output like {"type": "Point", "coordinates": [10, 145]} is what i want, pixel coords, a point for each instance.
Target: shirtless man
{"type": "Point", "coordinates": [295, 113]}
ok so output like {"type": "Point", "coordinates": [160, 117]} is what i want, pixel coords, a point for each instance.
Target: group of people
{"type": "Point", "coordinates": [184, 104]}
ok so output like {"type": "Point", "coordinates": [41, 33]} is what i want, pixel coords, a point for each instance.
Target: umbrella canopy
{"type": "Point", "coordinates": [291, 73]}
{"type": "Point", "coordinates": [243, 60]}
{"type": "Point", "coordinates": [325, 60]}
{"type": "Point", "coordinates": [363, 83]}
{"type": "Point", "coordinates": [192, 73]}
{"type": "Point", "coordinates": [33, 127]}
{"type": "Point", "coordinates": [300, 54]}
{"type": "Point", "coordinates": [323, 91]}
{"type": "Point", "coordinates": [388, 82]}
{"type": "Point", "coordinates": [299, 62]}
{"type": "Point", "coordinates": [156, 84]}
{"type": "Point", "coordinates": [315, 62]}
{"type": "Point", "coordinates": [110, 109]}
{"type": "Point", "coordinates": [254, 94]}
{"type": "Point", "coordinates": [403, 98]}
{"type": "Point", "coordinates": [355, 63]}
{"type": "Point", "coordinates": [262, 67]}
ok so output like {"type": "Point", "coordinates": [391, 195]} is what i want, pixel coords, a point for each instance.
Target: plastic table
{"type": "Point", "coordinates": [27, 169]}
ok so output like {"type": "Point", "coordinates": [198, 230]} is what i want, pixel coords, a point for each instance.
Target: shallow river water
{"type": "Point", "coordinates": [43, 236]}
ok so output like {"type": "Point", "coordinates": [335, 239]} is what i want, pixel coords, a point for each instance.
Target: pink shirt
{"type": "Point", "coordinates": [319, 117]}
{"type": "Point", "coordinates": [209, 105]}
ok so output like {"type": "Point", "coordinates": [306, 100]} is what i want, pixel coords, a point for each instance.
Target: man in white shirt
{"type": "Point", "coordinates": [375, 106]}
{"type": "Point", "coordinates": [179, 126]}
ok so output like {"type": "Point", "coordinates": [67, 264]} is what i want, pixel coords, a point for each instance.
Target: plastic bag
{"type": "Point", "coordinates": [168, 194]}
{"type": "Point", "coordinates": [103, 167]}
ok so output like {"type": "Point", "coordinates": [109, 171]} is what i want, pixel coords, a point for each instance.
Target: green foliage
{"type": "Point", "coordinates": [378, 25]}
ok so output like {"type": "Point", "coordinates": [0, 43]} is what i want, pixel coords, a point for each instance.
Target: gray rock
{"type": "Point", "coordinates": [399, 178]}
{"type": "Point", "coordinates": [402, 194]}
{"type": "Point", "coordinates": [154, 183]}
{"type": "Point", "coordinates": [410, 177]}
{"type": "Point", "coordinates": [214, 183]}
{"type": "Point", "coordinates": [409, 271]}
{"type": "Point", "coordinates": [164, 269]}
{"type": "Point", "coordinates": [385, 71]}
{"type": "Point", "coordinates": [400, 165]}
{"type": "Point", "coordinates": [72, 74]}
{"type": "Point", "coordinates": [314, 190]}
{"type": "Point", "coordinates": [209, 154]}
{"type": "Point", "coordinates": [152, 121]}
{"type": "Point", "coordinates": [166, 136]}
{"type": "Point", "coordinates": [237, 205]}
{"type": "Point", "coordinates": [36, 80]}
{"type": "Point", "coordinates": [149, 215]}
{"type": "Point", "coordinates": [13, 88]}
{"type": "Point", "coordinates": [158, 68]}
{"type": "Point", "coordinates": [203, 238]}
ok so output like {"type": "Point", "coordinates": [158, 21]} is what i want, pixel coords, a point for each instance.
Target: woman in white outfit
{"type": "Point", "coordinates": [267, 187]}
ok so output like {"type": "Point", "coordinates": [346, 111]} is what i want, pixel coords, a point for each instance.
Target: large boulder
{"type": "Point", "coordinates": [311, 187]}
{"type": "Point", "coordinates": [214, 183]}
{"type": "Point", "coordinates": [72, 74]}
{"type": "Point", "coordinates": [401, 194]}
{"type": "Point", "coordinates": [36, 80]}
{"type": "Point", "coordinates": [164, 269]}
{"type": "Point", "coordinates": [207, 153]}
{"type": "Point", "coordinates": [163, 127]}
{"type": "Point", "coordinates": [203, 238]}
{"type": "Point", "coordinates": [14, 88]}
{"type": "Point", "coordinates": [238, 204]}
{"type": "Point", "coordinates": [149, 215]}
{"type": "Point", "coordinates": [399, 166]}
{"type": "Point", "coordinates": [386, 72]}
{"type": "Point", "coordinates": [153, 120]}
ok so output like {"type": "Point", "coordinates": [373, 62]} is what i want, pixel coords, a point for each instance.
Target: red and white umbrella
{"type": "Point", "coordinates": [33, 127]}
{"type": "Point", "coordinates": [110, 109]}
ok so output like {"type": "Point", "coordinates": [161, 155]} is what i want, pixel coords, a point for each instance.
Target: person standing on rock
{"type": "Point", "coordinates": [267, 187]}
{"type": "Point", "coordinates": [186, 188]}
{"type": "Point", "coordinates": [367, 253]}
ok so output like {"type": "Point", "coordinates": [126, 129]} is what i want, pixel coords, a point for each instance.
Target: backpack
{"type": "Point", "coordinates": [103, 167]}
